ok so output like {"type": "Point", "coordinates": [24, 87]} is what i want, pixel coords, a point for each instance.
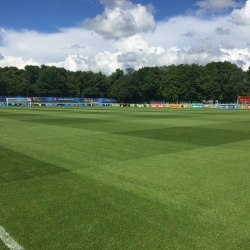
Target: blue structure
{"type": "Point", "coordinates": [62, 99]}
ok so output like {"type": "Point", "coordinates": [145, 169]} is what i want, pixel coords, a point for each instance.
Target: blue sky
{"type": "Point", "coordinates": [102, 35]}
{"type": "Point", "coordinates": [48, 15]}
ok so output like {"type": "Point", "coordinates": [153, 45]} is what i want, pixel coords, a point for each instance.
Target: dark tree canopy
{"type": "Point", "coordinates": [222, 81]}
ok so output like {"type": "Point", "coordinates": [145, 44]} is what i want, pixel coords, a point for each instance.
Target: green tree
{"type": "Point", "coordinates": [170, 84]}
{"type": "Point", "coordinates": [51, 81]}
{"type": "Point", "coordinates": [73, 84]}
{"type": "Point", "coordinates": [3, 83]}
{"type": "Point", "coordinates": [123, 89]}
{"type": "Point", "coordinates": [246, 81]}
{"type": "Point", "coordinates": [31, 74]}
{"type": "Point", "coordinates": [13, 81]}
{"type": "Point", "coordinates": [187, 84]}
{"type": "Point", "coordinates": [147, 81]}
{"type": "Point", "coordinates": [229, 79]}
{"type": "Point", "coordinates": [95, 85]}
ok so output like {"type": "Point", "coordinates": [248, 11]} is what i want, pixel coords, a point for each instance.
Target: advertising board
{"type": "Point", "coordinates": [227, 106]}
{"type": "Point", "coordinates": [125, 105]}
{"type": "Point", "coordinates": [243, 99]}
{"type": "Point", "coordinates": [197, 106]}
{"type": "Point", "coordinates": [177, 106]}
{"type": "Point", "coordinates": [140, 105]}
{"type": "Point", "coordinates": [85, 104]}
{"type": "Point", "coordinates": [248, 106]}
{"type": "Point", "coordinates": [102, 105]}
{"type": "Point", "coordinates": [63, 99]}
{"type": "Point", "coordinates": [157, 105]}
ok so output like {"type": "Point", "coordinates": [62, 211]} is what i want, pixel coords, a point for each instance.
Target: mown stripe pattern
{"type": "Point", "coordinates": [112, 178]}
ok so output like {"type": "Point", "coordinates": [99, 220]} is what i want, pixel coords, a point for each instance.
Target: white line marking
{"type": "Point", "coordinates": [8, 241]}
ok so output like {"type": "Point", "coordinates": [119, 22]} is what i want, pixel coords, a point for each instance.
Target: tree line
{"type": "Point", "coordinates": [223, 81]}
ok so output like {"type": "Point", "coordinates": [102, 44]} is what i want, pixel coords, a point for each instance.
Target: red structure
{"type": "Point", "coordinates": [244, 99]}
{"type": "Point", "coordinates": [157, 105]}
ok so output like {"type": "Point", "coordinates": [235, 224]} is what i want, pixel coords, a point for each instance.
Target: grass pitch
{"type": "Point", "coordinates": [120, 178]}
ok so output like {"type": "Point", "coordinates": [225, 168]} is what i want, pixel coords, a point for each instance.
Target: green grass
{"type": "Point", "coordinates": [118, 178]}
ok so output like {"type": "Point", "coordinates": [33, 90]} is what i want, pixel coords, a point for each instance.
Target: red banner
{"type": "Point", "coordinates": [244, 99]}
{"type": "Point", "coordinates": [157, 105]}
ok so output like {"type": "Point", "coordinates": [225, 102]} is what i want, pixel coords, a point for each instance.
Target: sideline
{"type": "Point", "coordinates": [8, 241]}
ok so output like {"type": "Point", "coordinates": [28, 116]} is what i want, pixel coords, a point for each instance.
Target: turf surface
{"type": "Point", "coordinates": [118, 178]}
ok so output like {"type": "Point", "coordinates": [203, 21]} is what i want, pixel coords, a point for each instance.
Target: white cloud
{"type": "Point", "coordinates": [217, 5]}
{"type": "Point", "coordinates": [121, 18]}
{"type": "Point", "coordinates": [48, 47]}
{"type": "Point", "coordinates": [221, 31]}
{"type": "Point", "coordinates": [138, 54]}
{"type": "Point", "coordinates": [180, 39]}
{"type": "Point", "coordinates": [15, 61]}
{"type": "Point", "coordinates": [75, 46]}
{"type": "Point", "coordinates": [189, 34]}
{"type": "Point", "coordinates": [242, 16]}
{"type": "Point", "coordinates": [73, 63]}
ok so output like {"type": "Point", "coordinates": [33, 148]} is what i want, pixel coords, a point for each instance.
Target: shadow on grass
{"type": "Point", "coordinates": [200, 136]}
{"type": "Point", "coordinates": [16, 166]}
